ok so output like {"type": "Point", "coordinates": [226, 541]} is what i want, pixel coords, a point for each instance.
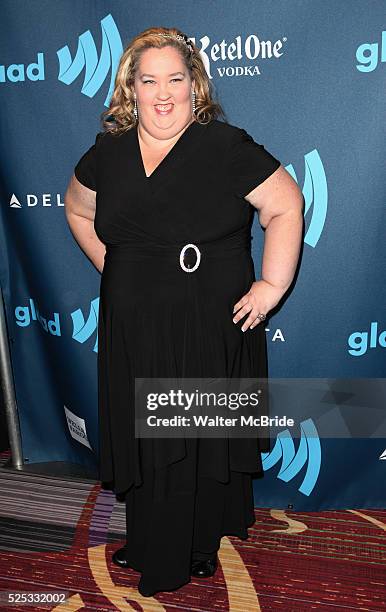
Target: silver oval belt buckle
{"type": "Point", "coordinates": [198, 256]}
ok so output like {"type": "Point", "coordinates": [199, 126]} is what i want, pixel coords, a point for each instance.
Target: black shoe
{"type": "Point", "coordinates": [204, 569]}
{"type": "Point", "coordinates": [144, 590]}
{"type": "Point", "coordinates": [119, 557]}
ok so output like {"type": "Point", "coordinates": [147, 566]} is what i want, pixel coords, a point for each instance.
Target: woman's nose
{"type": "Point", "coordinates": [163, 91]}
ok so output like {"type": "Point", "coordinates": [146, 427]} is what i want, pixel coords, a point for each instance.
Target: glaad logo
{"type": "Point", "coordinates": [358, 341]}
{"type": "Point", "coordinates": [83, 330]}
{"type": "Point", "coordinates": [16, 73]}
{"type": "Point", "coordinates": [26, 314]}
{"type": "Point", "coordinates": [367, 55]}
{"type": "Point", "coordinates": [95, 70]}
{"type": "Point", "coordinates": [315, 193]}
{"type": "Point", "coordinates": [309, 452]}
{"type": "Point", "coordinates": [237, 51]}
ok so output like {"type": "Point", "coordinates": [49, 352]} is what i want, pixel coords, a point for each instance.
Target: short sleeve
{"type": "Point", "coordinates": [85, 169]}
{"type": "Point", "coordinates": [249, 163]}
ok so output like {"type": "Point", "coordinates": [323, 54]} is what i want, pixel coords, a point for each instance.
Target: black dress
{"type": "Point", "coordinates": [155, 319]}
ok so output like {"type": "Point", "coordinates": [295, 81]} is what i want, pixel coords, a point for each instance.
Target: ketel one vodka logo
{"type": "Point", "coordinates": [237, 57]}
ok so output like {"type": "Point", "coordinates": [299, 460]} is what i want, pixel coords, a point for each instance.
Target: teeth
{"type": "Point", "coordinates": [163, 107]}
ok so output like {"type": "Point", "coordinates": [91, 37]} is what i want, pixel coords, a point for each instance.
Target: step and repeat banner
{"type": "Point", "coordinates": [305, 79]}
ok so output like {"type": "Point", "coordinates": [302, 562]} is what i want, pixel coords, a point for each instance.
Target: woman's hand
{"type": "Point", "coordinates": [261, 298]}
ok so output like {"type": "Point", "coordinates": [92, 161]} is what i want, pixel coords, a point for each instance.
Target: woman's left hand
{"type": "Point", "coordinates": [261, 298]}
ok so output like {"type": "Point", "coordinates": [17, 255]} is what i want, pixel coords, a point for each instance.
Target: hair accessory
{"type": "Point", "coordinates": [183, 39]}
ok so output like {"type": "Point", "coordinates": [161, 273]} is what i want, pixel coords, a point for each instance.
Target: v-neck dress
{"type": "Point", "coordinates": [157, 320]}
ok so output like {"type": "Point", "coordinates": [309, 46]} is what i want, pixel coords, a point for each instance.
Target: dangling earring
{"type": "Point", "coordinates": [194, 101]}
{"type": "Point", "coordinates": [135, 109]}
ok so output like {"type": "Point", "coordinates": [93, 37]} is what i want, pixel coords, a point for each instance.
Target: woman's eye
{"type": "Point", "coordinates": [151, 81]}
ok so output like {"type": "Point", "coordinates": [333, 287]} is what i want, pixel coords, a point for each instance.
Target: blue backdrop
{"type": "Point", "coordinates": [312, 90]}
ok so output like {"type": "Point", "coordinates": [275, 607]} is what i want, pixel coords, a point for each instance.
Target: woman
{"type": "Point", "coordinates": [165, 173]}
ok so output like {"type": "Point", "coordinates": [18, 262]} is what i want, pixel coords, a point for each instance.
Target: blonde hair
{"type": "Point", "coordinates": [119, 117]}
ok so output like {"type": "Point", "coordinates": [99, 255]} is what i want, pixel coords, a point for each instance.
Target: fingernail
{"type": "Point", "coordinates": [234, 321]}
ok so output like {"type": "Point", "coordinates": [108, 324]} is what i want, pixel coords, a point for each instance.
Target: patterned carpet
{"type": "Point", "coordinates": [60, 535]}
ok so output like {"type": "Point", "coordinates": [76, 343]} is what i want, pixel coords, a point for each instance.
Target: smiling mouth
{"type": "Point", "coordinates": [163, 108]}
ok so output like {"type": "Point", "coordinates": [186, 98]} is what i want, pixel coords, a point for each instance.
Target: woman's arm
{"type": "Point", "coordinates": [80, 202]}
{"type": "Point", "coordinates": [279, 202]}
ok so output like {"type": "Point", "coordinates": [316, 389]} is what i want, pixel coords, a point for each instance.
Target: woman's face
{"type": "Point", "coordinates": [163, 88]}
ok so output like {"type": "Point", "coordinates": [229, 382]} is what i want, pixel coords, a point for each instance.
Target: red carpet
{"type": "Point", "coordinates": [60, 534]}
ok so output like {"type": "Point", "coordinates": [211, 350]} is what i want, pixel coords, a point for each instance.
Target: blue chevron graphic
{"type": "Point", "coordinates": [96, 70]}
{"type": "Point", "coordinates": [315, 193]}
{"type": "Point", "coordinates": [308, 453]}
{"type": "Point", "coordinates": [83, 330]}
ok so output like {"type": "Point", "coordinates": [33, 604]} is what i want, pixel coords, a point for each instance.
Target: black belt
{"type": "Point", "coordinates": [183, 252]}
